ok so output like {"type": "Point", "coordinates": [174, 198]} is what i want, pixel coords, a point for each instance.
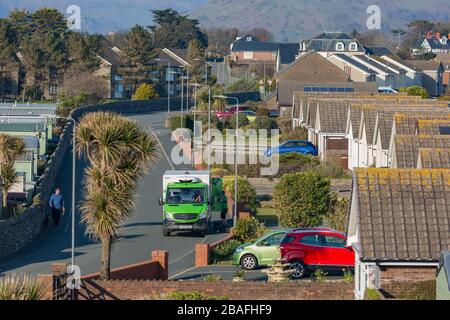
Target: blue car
{"type": "Point", "coordinates": [299, 146]}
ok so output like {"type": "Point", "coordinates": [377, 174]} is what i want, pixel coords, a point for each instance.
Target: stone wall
{"type": "Point", "coordinates": [248, 290]}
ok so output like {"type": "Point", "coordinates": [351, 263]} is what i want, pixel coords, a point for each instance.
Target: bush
{"type": "Point", "coordinates": [284, 124]}
{"type": "Point", "coordinates": [262, 111]}
{"type": "Point", "coordinates": [264, 122]}
{"type": "Point", "coordinates": [302, 199]}
{"type": "Point", "coordinates": [248, 230]}
{"type": "Point", "coordinates": [20, 288]}
{"type": "Point", "coordinates": [299, 133]}
{"type": "Point", "coordinates": [145, 92]}
{"type": "Point", "coordinates": [328, 171]}
{"type": "Point", "coordinates": [416, 91]}
{"type": "Point", "coordinates": [337, 218]}
{"type": "Point", "coordinates": [224, 251]}
{"type": "Point", "coordinates": [193, 295]}
{"type": "Point", "coordinates": [175, 122]}
{"type": "Point", "coordinates": [246, 192]}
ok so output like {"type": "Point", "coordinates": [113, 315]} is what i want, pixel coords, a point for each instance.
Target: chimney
{"type": "Point", "coordinates": [438, 35]}
{"type": "Point", "coordinates": [429, 35]}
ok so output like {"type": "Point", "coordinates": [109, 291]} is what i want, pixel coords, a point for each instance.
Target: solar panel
{"type": "Point", "coordinates": [444, 130]}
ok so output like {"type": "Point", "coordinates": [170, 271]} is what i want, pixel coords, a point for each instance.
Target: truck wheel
{"type": "Point", "coordinates": [166, 233]}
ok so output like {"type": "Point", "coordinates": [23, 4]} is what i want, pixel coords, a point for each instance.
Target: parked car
{"type": "Point", "coordinates": [261, 252]}
{"type": "Point", "coordinates": [306, 250]}
{"type": "Point", "coordinates": [299, 146]}
{"type": "Point", "coordinates": [230, 111]}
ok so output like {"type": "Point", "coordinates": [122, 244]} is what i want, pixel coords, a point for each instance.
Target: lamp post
{"type": "Point", "coordinates": [168, 84]}
{"type": "Point", "coordinates": [182, 98]}
{"type": "Point", "coordinates": [235, 156]}
{"type": "Point", "coordinates": [195, 85]}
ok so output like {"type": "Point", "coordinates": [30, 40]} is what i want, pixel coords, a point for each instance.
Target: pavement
{"type": "Point", "coordinates": [140, 235]}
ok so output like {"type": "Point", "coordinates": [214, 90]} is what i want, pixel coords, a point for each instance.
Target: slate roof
{"type": "Point", "coordinates": [254, 45]}
{"type": "Point", "coordinates": [434, 44]}
{"type": "Point", "coordinates": [355, 63]}
{"type": "Point", "coordinates": [378, 51]}
{"type": "Point", "coordinates": [332, 117]}
{"type": "Point", "coordinates": [403, 214]}
{"type": "Point", "coordinates": [407, 147]}
{"type": "Point", "coordinates": [434, 158]}
{"type": "Point", "coordinates": [373, 64]}
{"type": "Point", "coordinates": [326, 42]}
{"type": "Point", "coordinates": [288, 52]}
{"type": "Point", "coordinates": [431, 127]}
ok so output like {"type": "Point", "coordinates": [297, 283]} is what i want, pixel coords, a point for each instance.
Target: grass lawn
{"type": "Point", "coordinates": [267, 216]}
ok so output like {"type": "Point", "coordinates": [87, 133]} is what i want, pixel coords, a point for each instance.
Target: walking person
{"type": "Point", "coordinates": [56, 203]}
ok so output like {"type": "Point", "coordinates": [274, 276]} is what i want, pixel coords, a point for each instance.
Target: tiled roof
{"type": "Point", "coordinates": [22, 127]}
{"type": "Point", "coordinates": [407, 147]}
{"type": "Point", "coordinates": [407, 123]}
{"type": "Point", "coordinates": [430, 158]}
{"type": "Point", "coordinates": [431, 127]}
{"type": "Point", "coordinates": [403, 215]}
{"type": "Point", "coordinates": [254, 45]}
{"type": "Point", "coordinates": [424, 65]}
{"type": "Point", "coordinates": [327, 41]}
{"type": "Point", "coordinates": [332, 117]}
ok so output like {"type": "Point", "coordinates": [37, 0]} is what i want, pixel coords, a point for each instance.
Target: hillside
{"type": "Point", "coordinates": [295, 19]}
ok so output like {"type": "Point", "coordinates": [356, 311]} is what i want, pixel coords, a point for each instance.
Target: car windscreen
{"type": "Point", "coordinates": [185, 196]}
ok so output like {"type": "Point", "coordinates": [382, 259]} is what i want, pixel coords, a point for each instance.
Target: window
{"type": "Point", "coordinates": [185, 196]}
{"type": "Point", "coordinates": [353, 46]}
{"type": "Point", "coordinates": [314, 240]}
{"type": "Point", "coordinates": [335, 242]}
{"type": "Point", "coordinates": [288, 145]}
{"type": "Point", "coordinates": [340, 46]}
{"type": "Point", "coordinates": [287, 239]}
{"type": "Point", "coordinates": [301, 144]}
{"type": "Point", "coordinates": [248, 55]}
{"type": "Point", "coordinates": [273, 240]}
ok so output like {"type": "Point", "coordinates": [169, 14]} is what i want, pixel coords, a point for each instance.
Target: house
{"type": "Point", "coordinates": [405, 149]}
{"type": "Point", "coordinates": [432, 127]}
{"type": "Point", "coordinates": [178, 61]}
{"type": "Point", "coordinates": [432, 43]}
{"type": "Point", "coordinates": [356, 70]}
{"type": "Point", "coordinates": [329, 43]}
{"type": "Point", "coordinates": [249, 49]}
{"type": "Point", "coordinates": [398, 225]}
{"type": "Point", "coordinates": [443, 277]}
{"type": "Point", "coordinates": [413, 76]}
{"type": "Point", "coordinates": [311, 73]}
{"type": "Point", "coordinates": [445, 59]}
{"type": "Point", "coordinates": [111, 59]}
{"type": "Point", "coordinates": [433, 158]}
{"type": "Point", "coordinates": [38, 130]}
{"type": "Point", "coordinates": [432, 75]}
{"type": "Point", "coordinates": [287, 53]}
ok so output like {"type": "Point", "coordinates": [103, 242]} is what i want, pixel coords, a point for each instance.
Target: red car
{"type": "Point", "coordinates": [228, 112]}
{"type": "Point", "coordinates": [308, 249]}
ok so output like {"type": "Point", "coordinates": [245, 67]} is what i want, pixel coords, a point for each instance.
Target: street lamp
{"type": "Point", "coordinates": [195, 85]}
{"type": "Point", "coordinates": [182, 97]}
{"type": "Point", "coordinates": [168, 83]}
{"type": "Point", "coordinates": [235, 155]}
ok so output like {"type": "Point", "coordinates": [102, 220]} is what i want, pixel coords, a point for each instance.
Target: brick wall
{"type": "Point", "coordinates": [392, 274]}
{"type": "Point", "coordinates": [203, 251]}
{"type": "Point", "coordinates": [295, 290]}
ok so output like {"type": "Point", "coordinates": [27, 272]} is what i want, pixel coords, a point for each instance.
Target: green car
{"type": "Point", "coordinates": [261, 252]}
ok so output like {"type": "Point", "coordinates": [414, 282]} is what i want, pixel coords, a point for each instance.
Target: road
{"type": "Point", "coordinates": [140, 235]}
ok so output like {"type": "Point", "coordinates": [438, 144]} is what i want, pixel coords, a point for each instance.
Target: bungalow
{"type": "Point", "coordinates": [405, 149]}
{"type": "Point", "coordinates": [398, 225]}
{"type": "Point", "coordinates": [249, 49]}
{"type": "Point", "coordinates": [287, 53]}
{"type": "Point", "coordinates": [38, 130]}
{"type": "Point", "coordinates": [443, 277]}
{"type": "Point", "coordinates": [433, 158]}
{"type": "Point", "coordinates": [432, 127]}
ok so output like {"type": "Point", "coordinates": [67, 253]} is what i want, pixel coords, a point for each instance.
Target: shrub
{"type": "Point", "coordinates": [248, 230]}
{"type": "Point", "coordinates": [20, 288]}
{"type": "Point", "coordinates": [246, 192]}
{"type": "Point", "coordinates": [284, 124]}
{"type": "Point", "coordinates": [328, 171]}
{"type": "Point", "coordinates": [337, 218]}
{"type": "Point", "coordinates": [264, 122]}
{"type": "Point", "coordinates": [302, 199]}
{"type": "Point", "coordinates": [192, 295]}
{"type": "Point", "coordinates": [224, 250]}
{"type": "Point", "coordinates": [416, 91]}
{"type": "Point", "coordinates": [262, 111]}
{"type": "Point", "coordinates": [145, 92]}
{"type": "Point", "coordinates": [299, 133]}
{"type": "Point", "coordinates": [175, 122]}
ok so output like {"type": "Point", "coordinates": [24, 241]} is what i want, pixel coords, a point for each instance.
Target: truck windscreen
{"type": "Point", "coordinates": [185, 196]}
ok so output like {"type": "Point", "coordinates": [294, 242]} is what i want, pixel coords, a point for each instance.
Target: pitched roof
{"type": "Point", "coordinates": [373, 64]}
{"type": "Point", "coordinates": [288, 52]}
{"type": "Point", "coordinates": [434, 158]}
{"type": "Point", "coordinates": [332, 117]}
{"type": "Point", "coordinates": [432, 127]}
{"type": "Point", "coordinates": [327, 41]}
{"type": "Point", "coordinates": [254, 45]}
{"type": "Point", "coordinates": [424, 65]}
{"type": "Point", "coordinates": [378, 51]}
{"type": "Point", "coordinates": [407, 147]}
{"type": "Point", "coordinates": [403, 214]}
{"type": "Point", "coordinates": [407, 123]}
{"type": "Point", "coordinates": [355, 63]}
{"type": "Point", "coordinates": [445, 264]}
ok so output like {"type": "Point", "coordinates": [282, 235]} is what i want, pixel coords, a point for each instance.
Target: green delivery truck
{"type": "Point", "coordinates": [189, 198]}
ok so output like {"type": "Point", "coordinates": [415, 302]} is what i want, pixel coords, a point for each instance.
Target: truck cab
{"type": "Point", "coordinates": [188, 202]}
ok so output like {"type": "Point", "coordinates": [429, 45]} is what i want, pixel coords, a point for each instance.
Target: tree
{"type": "Point", "coordinates": [119, 153]}
{"type": "Point", "coordinates": [11, 149]}
{"type": "Point", "coordinates": [173, 30]}
{"type": "Point", "coordinates": [219, 40]}
{"type": "Point", "coordinates": [195, 57]}
{"type": "Point", "coordinates": [145, 92]}
{"type": "Point", "coordinates": [248, 230]}
{"type": "Point", "coordinates": [244, 85]}
{"type": "Point", "coordinates": [139, 46]}
{"type": "Point", "coordinates": [264, 122]}
{"type": "Point", "coordinates": [302, 199]}
{"type": "Point", "coordinates": [246, 192]}
{"type": "Point", "coordinates": [9, 178]}
{"type": "Point", "coordinates": [261, 34]}
{"type": "Point", "coordinates": [203, 98]}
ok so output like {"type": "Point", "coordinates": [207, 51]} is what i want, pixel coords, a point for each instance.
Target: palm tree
{"type": "Point", "coordinates": [119, 153]}
{"type": "Point", "coordinates": [9, 178]}
{"type": "Point", "coordinates": [11, 149]}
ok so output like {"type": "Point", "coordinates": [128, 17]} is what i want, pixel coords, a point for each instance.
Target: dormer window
{"type": "Point", "coordinates": [249, 39]}
{"type": "Point", "coordinates": [339, 46]}
{"type": "Point", "coordinates": [444, 40]}
{"type": "Point", "coordinates": [353, 46]}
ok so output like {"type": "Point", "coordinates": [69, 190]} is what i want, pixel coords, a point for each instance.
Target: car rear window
{"type": "Point", "coordinates": [287, 239]}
